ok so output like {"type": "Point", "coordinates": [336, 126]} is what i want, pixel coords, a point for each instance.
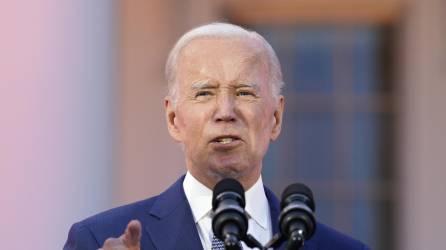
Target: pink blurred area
{"type": "Point", "coordinates": [82, 125]}
{"type": "Point", "coordinates": [56, 93]}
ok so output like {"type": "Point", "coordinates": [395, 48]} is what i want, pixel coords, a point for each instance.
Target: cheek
{"type": "Point", "coordinates": [265, 115]}
{"type": "Point", "coordinates": [261, 126]}
{"type": "Point", "coordinates": [191, 124]}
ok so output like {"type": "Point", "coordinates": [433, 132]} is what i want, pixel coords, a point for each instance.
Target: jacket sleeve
{"type": "Point", "coordinates": [81, 237]}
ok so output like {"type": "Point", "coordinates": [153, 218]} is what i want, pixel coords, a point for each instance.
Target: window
{"type": "Point", "coordinates": [336, 136]}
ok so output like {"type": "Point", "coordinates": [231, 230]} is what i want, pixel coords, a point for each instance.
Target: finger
{"type": "Point", "coordinates": [132, 234]}
{"type": "Point", "coordinates": [110, 243]}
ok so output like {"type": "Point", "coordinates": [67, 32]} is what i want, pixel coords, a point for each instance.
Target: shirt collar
{"type": "Point", "coordinates": [200, 200]}
{"type": "Point", "coordinates": [198, 195]}
{"type": "Point", "coordinates": [257, 205]}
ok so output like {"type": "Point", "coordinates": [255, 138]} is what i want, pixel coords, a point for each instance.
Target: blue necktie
{"type": "Point", "coordinates": [217, 244]}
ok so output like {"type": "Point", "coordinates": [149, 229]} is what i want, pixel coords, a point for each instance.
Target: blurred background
{"type": "Point", "coordinates": [82, 125]}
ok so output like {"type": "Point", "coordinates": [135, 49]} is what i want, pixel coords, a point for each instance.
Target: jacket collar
{"type": "Point", "coordinates": [274, 207]}
{"type": "Point", "coordinates": [171, 221]}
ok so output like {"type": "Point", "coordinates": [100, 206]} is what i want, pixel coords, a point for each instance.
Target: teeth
{"type": "Point", "coordinates": [225, 140]}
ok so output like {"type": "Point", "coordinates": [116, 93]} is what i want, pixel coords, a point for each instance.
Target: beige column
{"type": "Point", "coordinates": [422, 170]}
{"type": "Point", "coordinates": [56, 132]}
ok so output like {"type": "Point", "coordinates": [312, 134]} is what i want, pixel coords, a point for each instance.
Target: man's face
{"type": "Point", "coordinates": [225, 114]}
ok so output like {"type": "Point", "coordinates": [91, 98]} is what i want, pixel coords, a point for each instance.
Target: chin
{"type": "Point", "coordinates": [227, 171]}
{"type": "Point", "coordinates": [221, 166]}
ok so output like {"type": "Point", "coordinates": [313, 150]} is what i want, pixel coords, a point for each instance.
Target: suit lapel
{"type": "Point", "coordinates": [274, 207]}
{"type": "Point", "coordinates": [171, 224]}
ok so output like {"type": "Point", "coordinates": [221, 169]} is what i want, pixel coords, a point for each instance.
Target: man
{"type": "Point", "coordinates": [224, 107]}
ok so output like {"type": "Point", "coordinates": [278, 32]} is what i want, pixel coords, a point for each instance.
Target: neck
{"type": "Point", "coordinates": [210, 180]}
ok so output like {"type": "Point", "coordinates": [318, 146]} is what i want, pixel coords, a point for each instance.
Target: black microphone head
{"type": "Point", "coordinates": [297, 191]}
{"type": "Point", "coordinates": [229, 221]}
{"type": "Point", "coordinates": [228, 185]}
{"type": "Point", "coordinates": [297, 221]}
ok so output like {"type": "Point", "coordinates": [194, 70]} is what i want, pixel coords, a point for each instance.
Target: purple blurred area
{"type": "Point", "coordinates": [82, 125]}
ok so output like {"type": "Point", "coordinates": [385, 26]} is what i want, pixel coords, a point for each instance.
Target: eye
{"type": "Point", "coordinates": [203, 93]}
{"type": "Point", "coordinates": [245, 93]}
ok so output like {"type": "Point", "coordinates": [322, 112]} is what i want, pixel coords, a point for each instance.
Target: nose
{"type": "Point", "coordinates": [225, 109]}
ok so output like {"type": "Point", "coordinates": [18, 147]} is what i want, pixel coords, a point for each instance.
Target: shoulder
{"type": "Point", "coordinates": [118, 218]}
{"type": "Point", "coordinates": [91, 232]}
{"type": "Point", "coordinates": [326, 237]}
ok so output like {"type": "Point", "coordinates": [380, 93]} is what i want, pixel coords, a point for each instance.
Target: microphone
{"type": "Point", "coordinates": [229, 221]}
{"type": "Point", "coordinates": [297, 222]}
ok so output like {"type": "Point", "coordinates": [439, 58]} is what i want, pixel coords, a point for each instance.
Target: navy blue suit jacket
{"type": "Point", "coordinates": [167, 223]}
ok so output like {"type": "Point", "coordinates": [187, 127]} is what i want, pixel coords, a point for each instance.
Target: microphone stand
{"type": "Point", "coordinates": [252, 242]}
{"type": "Point", "coordinates": [275, 241]}
{"type": "Point", "coordinates": [232, 242]}
{"type": "Point", "coordinates": [295, 242]}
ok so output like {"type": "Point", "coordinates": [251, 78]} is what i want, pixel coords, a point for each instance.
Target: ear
{"type": "Point", "coordinates": [277, 118]}
{"type": "Point", "coordinates": [171, 119]}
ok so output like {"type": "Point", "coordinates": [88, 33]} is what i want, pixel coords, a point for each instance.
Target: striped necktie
{"type": "Point", "coordinates": [217, 244]}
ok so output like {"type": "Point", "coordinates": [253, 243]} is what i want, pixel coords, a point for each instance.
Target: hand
{"type": "Point", "coordinates": [130, 240]}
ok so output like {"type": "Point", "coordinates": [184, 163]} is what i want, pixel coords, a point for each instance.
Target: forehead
{"type": "Point", "coordinates": [222, 58]}
{"type": "Point", "coordinates": [213, 45]}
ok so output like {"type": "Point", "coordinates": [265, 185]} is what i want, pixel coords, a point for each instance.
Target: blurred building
{"type": "Point", "coordinates": [83, 128]}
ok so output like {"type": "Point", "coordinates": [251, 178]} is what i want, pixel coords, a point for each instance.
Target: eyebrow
{"type": "Point", "coordinates": [202, 85]}
{"type": "Point", "coordinates": [248, 85]}
{"type": "Point", "coordinates": [207, 85]}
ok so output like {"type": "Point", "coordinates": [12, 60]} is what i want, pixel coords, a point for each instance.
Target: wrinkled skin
{"type": "Point", "coordinates": [224, 91]}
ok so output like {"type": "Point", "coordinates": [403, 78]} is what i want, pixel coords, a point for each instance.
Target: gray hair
{"type": "Point", "coordinates": [222, 30]}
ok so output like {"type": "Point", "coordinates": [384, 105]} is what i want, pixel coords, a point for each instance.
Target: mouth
{"type": "Point", "coordinates": [226, 140]}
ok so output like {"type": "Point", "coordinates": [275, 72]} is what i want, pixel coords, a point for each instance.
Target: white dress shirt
{"type": "Point", "coordinates": [257, 208]}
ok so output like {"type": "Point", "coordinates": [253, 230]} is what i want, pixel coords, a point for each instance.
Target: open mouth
{"type": "Point", "coordinates": [225, 139]}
